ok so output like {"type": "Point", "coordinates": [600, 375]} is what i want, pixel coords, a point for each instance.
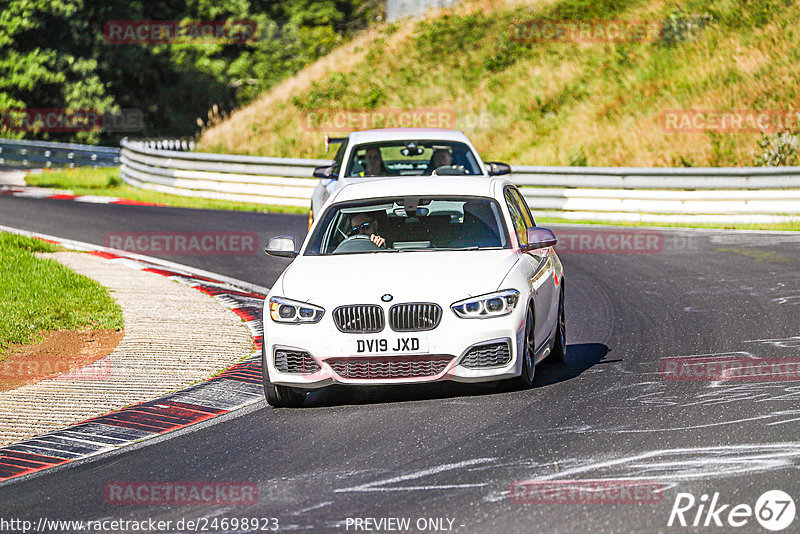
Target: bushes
{"type": "Point", "coordinates": [680, 27]}
{"type": "Point", "coordinates": [777, 149]}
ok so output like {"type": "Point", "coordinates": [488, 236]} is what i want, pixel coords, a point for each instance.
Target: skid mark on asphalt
{"type": "Point", "coordinates": [669, 466]}
{"type": "Point", "coordinates": [790, 299]}
{"type": "Point", "coordinates": [672, 466]}
{"type": "Point", "coordinates": [312, 508]}
{"type": "Point", "coordinates": [754, 239]}
{"type": "Point", "coordinates": [388, 483]}
{"type": "Point", "coordinates": [773, 403]}
{"type": "Point", "coordinates": [783, 342]}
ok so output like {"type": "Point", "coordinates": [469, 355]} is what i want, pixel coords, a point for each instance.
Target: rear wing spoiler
{"type": "Point", "coordinates": [333, 141]}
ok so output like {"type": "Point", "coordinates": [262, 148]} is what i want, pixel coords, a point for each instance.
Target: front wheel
{"type": "Point", "coordinates": [279, 396]}
{"type": "Point", "coordinates": [525, 379]}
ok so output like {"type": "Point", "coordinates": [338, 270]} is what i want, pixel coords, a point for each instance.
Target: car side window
{"type": "Point", "coordinates": [523, 208]}
{"type": "Point", "coordinates": [357, 164]}
{"type": "Point", "coordinates": [339, 158]}
{"type": "Point", "coordinates": [517, 218]}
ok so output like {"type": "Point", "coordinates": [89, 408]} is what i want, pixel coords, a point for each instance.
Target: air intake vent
{"type": "Point", "coordinates": [386, 367]}
{"type": "Point", "coordinates": [294, 361]}
{"type": "Point", "coordinates": [414, 317]}
{"type": "Point", "coordinates": [359, 319]}
{"type": "Point", "coordinates": [494, 355]}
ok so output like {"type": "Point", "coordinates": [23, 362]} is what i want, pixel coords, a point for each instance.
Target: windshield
{"type": "Point", "coordinates": [412, 158]}
{"type": "Point", "coordinates": [410, 224]}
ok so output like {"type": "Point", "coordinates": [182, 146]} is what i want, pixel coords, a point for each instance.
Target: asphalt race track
{"type": "Point", "coordinates": [452, 451]}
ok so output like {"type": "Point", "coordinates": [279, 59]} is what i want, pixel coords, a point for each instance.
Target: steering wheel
{"type": "Point", "coordinates": [357, 237]}
{"type": "Point", "coordinates": [357, 243]}
{"type": "Point", "coordinates": [449, 170]}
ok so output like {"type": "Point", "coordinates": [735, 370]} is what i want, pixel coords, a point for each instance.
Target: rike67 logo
{"type": "Point", "coordinates": [774, 510]}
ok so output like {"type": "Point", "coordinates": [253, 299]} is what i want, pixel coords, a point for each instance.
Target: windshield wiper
{"type": "Point", "coordinates": [446, 249]}
{"type": "Point", "coordinates": [435, 249]}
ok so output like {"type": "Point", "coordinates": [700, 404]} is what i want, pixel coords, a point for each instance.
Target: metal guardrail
{"type": "Point", "coordinates": [669, 195]}
{"type": "Point", "coordinates": [722, 195]}
{"type": "Point", "coordinates": [23, 154]}
{"type": "Point", "coordinates": [260, 180]}
{"type": "Point", "coordinates": [659, 177]}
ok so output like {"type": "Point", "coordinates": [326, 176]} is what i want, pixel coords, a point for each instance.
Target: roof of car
{"type": "Point", "coordinates": [479, 186]}
{"type": "Point", "coordinates": [401, 134]}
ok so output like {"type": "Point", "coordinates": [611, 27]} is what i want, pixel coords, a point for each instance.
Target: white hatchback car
{"type": "Point", "coordinates": [389, 152]}
{"type": "Point", "coordinates": [414, 280]}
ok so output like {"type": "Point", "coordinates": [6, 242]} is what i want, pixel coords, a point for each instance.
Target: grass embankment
{"type": "Point", "coordinates": [547, 102]}
{"type": "Point", "coordinates": [106, 182]}
{"type": "Point", "coordinates": [40, 295]}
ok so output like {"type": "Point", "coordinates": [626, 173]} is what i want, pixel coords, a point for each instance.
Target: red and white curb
{"type": "Point", "coordinates": [238, 386]}
{"type": "Point", "coordinates": [40, 193]}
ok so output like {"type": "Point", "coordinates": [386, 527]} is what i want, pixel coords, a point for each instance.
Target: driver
{"type": "Point", "coordinates": [366, 224]}
{"type": "Point", "coordinates": [441, 157]}
{"type": "Point", "coordinates": [373, 161]}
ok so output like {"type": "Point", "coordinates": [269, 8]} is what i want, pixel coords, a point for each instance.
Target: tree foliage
{"type": "Point", "coordinates": [54, 55]}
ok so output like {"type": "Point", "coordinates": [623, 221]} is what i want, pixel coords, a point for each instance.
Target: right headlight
{"type": "Point", "coordinates": [486, 306]}
{"type": "Point", "coordinates": [283, 310]}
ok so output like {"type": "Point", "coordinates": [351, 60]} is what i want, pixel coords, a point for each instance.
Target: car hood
{"type": "Point", "coordinates": [421, 276]}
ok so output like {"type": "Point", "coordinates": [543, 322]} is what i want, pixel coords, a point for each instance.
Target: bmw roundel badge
{"type": "Point", "coordinates": [387, 298]}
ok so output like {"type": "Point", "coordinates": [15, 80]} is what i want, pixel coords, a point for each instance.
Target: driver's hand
{"type": "Point", "coordinates": [378, 240]}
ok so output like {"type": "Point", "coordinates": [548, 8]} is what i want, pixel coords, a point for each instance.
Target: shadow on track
{"type": "Point", "coordinates": [579, 358]}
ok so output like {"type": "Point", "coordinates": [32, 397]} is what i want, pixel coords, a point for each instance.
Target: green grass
{"type": "Point", "coordinates": [38, 295]}
{"type": "Point", "coordinates": [106, 182]}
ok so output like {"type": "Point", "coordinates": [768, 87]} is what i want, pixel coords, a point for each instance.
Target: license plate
{"type": "Point", "coordinates": [398, 345]}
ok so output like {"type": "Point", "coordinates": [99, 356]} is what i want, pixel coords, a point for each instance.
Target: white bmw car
{"type": "Point", "coordinates": [376, 154]}
{"type": "Point", "coordinates": [414, 280]}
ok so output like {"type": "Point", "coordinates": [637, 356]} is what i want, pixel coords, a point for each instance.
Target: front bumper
{"type": "Point", "coordinates": [332, 357]}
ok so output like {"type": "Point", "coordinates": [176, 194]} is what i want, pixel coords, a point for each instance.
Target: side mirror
{"type": "Point", "coordinates": [496, 168]}
{"type": "Point", "coordinates": [540, 238]}
{"type": "Point", "coordinates": [326, 171]}
{"type": "Point", "coordinates": [282, 246]}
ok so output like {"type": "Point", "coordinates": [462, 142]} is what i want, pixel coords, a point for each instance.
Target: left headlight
{"type": "Point", "coordinates": [283, 310]}
{"type": "Point", "coordinates": [486, 306]}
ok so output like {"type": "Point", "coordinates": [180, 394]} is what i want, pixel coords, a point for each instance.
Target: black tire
{"type": "Point", "coordinates": [560, 344]}
{"type": "Point", "coordinates": [525, 379]}
{"type": "Point", "coordinates": [279, 396]}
